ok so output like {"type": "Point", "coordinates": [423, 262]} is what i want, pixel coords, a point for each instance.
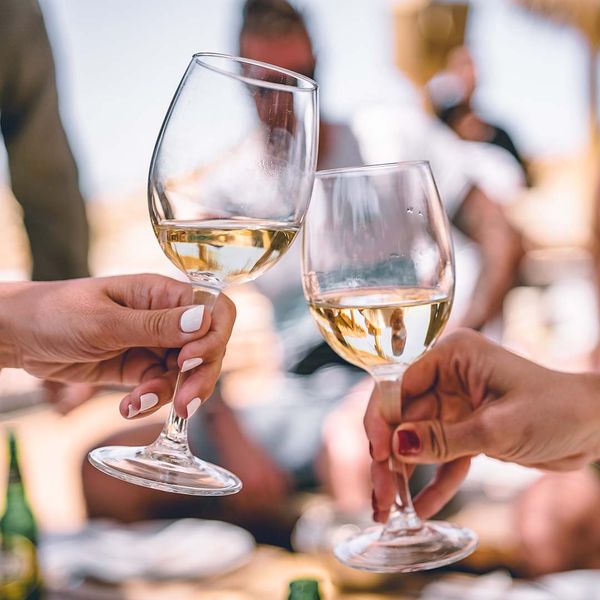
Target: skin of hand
{"type": "Point", "coordinates": [129, 330]}
{"type": "Point", "coordinates": [501, 250]}
{"type": "Point", "coordinates": [468, 396]}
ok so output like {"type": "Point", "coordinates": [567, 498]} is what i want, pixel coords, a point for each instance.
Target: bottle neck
{"type": "Point", "coordinates": [14, 471]}
{"type": "Point", "coordinates": [14, 488]}
{"type": "Point", "coordinates": [15, 491]}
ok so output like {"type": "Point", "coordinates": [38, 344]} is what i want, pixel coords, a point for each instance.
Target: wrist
{"type": "Point", "coordinates": [10, 349]}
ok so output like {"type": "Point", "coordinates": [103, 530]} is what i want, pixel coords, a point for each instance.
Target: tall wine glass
{"type": "Point", "coordinates": [378, 273]}
{"type": "Point", "coordinates": [229, 185]}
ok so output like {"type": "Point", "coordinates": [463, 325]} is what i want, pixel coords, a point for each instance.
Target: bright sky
{"type": "Point", "coordinates": [120, 62]}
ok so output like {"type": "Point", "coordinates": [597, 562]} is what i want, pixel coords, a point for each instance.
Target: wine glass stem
{"type": "Point", "coordinates": [174, 433]}
{"type": "Point", "coordinates": [403, 518]}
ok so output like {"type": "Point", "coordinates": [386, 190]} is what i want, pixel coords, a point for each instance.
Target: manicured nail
{"type": "Point", "coordinates": [191, 363]}
{"type": "Point", "coordinates": [193, 406]}
{"type": "Point", "coordinates": [191, 319]}
{"type": "Point", "coordinates": [408, 442]}
{"type": "Point", "coordinates": [132, 412]}
{"type": "Point", "coordinates": [147, 401]}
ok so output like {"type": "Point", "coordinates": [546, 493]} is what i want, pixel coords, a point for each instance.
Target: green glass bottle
{"type": "Point", "coordinates": [19, 572]}
{"type": "Point", "coordinates": [304, 589]}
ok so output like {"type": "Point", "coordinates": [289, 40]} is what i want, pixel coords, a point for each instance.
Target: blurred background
{"type": "Point", "coordinates": [519, 75]}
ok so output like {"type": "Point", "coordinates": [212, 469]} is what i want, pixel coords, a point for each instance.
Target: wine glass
{"type": "Point", "coordinates": [229, 185]}
{"type": "Point", "coordinates": [378, 274]}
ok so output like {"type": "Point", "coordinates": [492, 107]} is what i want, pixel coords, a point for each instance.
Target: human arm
{"type": "Point", "coordinates": [501, 250]}
{"type": "Point", "coordinates": [43, 172]}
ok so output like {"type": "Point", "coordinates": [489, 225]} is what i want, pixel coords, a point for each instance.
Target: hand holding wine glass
{"type": "Point", "coordinates": [378, 273]}
{"type": "Point", "coordinates": [469, 396]}
{"type": "Point", "coordinates": [229, 185]}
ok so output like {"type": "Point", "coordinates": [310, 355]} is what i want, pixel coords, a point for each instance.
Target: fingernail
{"type": "Point", "coordinates": [408, 442]}
{"type": "Point", "coordinates": [191, 363]}
{"type": "Point", "coordinates": [191, 319]}
{"type": "Point", "coordinates": [147, 401]}
{"type": "Point", "coordinates": [193, 406]}
{"type": "Point", "coordinates": [132, 412]}
{"type": "Point", "coordinates": [371, 450]}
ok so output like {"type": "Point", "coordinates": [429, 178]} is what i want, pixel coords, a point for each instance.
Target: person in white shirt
{"type": "Point", "coordinates": [404, 132]}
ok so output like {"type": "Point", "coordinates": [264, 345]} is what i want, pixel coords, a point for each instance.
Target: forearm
{"type": "Point", "coordinates": [499, 263]}
{"type": "Point", "coordinates": [501, 251]}
{"type": "Point", "coordinates": [10, 350]}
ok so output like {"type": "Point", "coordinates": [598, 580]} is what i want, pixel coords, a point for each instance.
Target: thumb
{"type": "Point", "coordinates": [437, 441]}
{"type": "Point", "coordinates": [164, 328]}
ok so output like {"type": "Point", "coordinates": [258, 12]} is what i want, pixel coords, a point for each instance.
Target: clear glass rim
{"type": "Point", "coordinates": [366, 169]}
{"type": "Point", "coordinates": [311, 84]}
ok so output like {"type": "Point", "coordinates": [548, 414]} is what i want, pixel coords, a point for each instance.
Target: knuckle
{"type": "Point", "coordinates": [437, 440]}
{"type": "Point", "coordinates": [231, 309]}
{"type": "Point", "coordinates": [230, 306]}
{"type": "Point", "coordinates": [366, 423]}
{"type": "Point", "coordinates": [153, 326]}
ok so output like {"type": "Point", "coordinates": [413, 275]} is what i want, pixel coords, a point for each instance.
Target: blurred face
{"type": "Point", "coordinates": [460, 62]}
{"type": "Point", "coordinates": [292, 52]}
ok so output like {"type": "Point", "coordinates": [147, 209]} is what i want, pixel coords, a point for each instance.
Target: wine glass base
{"type": "Point", "coordinates": [184, 474]}
{"type": "Point", "coordinates": [436, 544]}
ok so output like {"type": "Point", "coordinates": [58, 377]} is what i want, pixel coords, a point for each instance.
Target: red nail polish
{"type": "Point", "coordinates": [408, 442]}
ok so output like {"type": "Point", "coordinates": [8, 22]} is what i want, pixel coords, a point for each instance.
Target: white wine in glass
{"type": "Point", "coordinates": [233, 251]}
{"type": "Point", "coordinates": [229, 185]}
{"type": "Point", "coordinates": [378, 274]}
{"type": "Point", "coordinates": [378, 328]}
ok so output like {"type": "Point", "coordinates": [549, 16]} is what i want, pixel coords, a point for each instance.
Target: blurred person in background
{"type": "Point", "coordinates": [277, 417]}
{"type": "Point", "coordinates": [43, 173]}
{"type": "Point", "coordinates": [470, 192]}
{"type": "Point", "coordinates": [269, 421]}
{"type": "Point", "coordinates": [451, 94]}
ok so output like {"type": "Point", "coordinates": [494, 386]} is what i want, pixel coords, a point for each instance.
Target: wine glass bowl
{"type": "Point", "coordinates": [378, 274]}
{"type": "Point", "coordinates": [229, 185]}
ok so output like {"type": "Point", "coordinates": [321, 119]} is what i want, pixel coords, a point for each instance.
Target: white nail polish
{"type": "Point", "coordinates": [132, 412]}
{"type": "Point", "coordinates": [191, 363]}
{"type": "Point", "coordinates": [191, 319]}
{"type": "Point", "coordinates": [193, 406]}
{"type": "Point", "coordinates": [147, 401]}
